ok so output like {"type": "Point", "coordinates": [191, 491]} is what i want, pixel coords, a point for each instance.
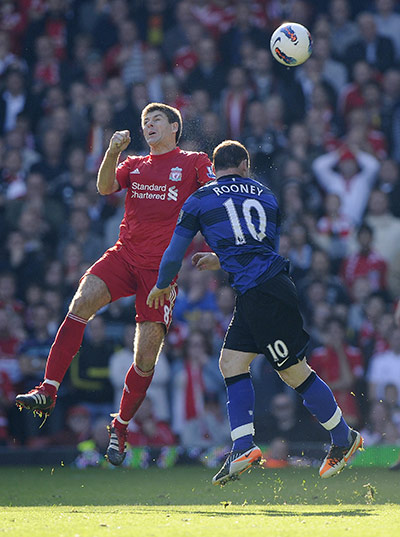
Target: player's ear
{"type": "Point", "coordinates": [244, 166]}
{"type": "Point", "coordinates": [175, 126]}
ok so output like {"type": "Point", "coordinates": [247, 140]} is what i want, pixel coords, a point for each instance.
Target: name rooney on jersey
{"type": "Point", "coordinates": [238, 187]}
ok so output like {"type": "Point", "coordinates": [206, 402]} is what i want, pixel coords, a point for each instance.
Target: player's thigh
{"type": "Point", "coordinates": [277, 328]}
{"type": "Point", "coordinates": [92, 294]}
{"type": "Point", "coordinates": [296, 374]}
{"type": "Point", "coordinates": [232, 363]}
{"type": "Point", "coordinates": [149, 337]}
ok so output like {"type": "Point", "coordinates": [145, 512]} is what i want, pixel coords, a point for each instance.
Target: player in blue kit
{"type": "Point", "coordinates": [240, 220]}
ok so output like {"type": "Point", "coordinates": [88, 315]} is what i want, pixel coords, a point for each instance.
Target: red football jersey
{"type": "Point", "coordinates": [158, 185]}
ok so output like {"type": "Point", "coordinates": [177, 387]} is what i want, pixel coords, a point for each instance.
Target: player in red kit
{"type": "Point", "coordinates": [157, 186]}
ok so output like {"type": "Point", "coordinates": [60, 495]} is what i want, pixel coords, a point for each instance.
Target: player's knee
{"type": "Point", "coordinates": [145, 361]}
{"type": "Point", "coordinates": [296, 374]}
{"type": "Point", "coordinates": [82, 305]}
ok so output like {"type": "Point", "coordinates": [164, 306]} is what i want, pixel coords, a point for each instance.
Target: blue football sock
{"type": "Point", "coordinates": [240, 405]}
{"type": "Point", "coordinates": [319, 400]}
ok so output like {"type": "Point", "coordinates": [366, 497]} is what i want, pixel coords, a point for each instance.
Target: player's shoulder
{"type": "Point", "coordinates": [134, 160]}
{"type": "Point", "coordinates": [205, 190]}
{"type": "Point", "coordinates": [193, 154]}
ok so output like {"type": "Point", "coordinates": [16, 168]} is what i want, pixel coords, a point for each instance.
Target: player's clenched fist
{"type": "Point", "coordinates": [119, 141]}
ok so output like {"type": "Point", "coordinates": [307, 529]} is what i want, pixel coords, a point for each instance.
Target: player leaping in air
{"type": "Point", "coordinates": [157, 185]}
{"type": "Point", "coordinates": [240, 220]}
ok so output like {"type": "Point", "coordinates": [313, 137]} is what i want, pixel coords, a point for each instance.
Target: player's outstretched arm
{"type": "Point", "coordinates": [169, 267]}
{"type": "Point", "coordinates": [106, 180]}
{"type": "Point", "coordinates": [206, 261]}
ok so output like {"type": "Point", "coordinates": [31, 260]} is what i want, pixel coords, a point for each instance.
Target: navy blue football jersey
{"type": "Point", "coordinates": [240, 220]}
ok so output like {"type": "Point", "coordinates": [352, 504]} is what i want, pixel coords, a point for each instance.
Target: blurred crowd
{"type": "Point", "coordinates": [325, 137]}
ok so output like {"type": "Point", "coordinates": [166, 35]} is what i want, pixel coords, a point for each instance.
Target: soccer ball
{"type": "Point", "coordinates": [291, 44]}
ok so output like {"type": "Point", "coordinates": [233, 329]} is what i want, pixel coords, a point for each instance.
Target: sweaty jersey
{"type": "Point", "coordinates": [240, 220]}
{"type": "Point", "coordinates": [157, 187]}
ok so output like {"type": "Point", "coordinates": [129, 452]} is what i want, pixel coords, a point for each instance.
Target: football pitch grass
{"type": "Point", "coordinates": [180, 501]}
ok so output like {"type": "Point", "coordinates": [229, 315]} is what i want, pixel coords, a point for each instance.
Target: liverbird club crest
{"type": "Point", "coordinates": [175, 174]}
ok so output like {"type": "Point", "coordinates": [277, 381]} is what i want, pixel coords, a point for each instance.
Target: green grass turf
{"type": "Point", "coordinates": [181, 502]}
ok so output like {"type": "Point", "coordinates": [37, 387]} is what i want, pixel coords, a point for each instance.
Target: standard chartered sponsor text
{"type": "Point", "coordinates": [148, 191]}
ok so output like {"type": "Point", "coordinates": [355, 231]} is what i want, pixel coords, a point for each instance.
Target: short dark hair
{"type": "Point", "coordinates": [229, 154]}
{"type": "Point", "coordinates": [173, 115]}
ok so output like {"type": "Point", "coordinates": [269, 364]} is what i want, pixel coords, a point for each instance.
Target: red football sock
{"type": "Point", "coordinates": [136, 384]}
{"type": "Point", "coordinates": [66, 345]}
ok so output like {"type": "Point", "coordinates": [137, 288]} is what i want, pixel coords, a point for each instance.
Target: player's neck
{"type": "Point", "coordinates": [162, 147]}
{"type": "Point", "coordinates": [228, 171]}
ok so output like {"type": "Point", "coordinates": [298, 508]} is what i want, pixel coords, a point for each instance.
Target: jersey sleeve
{"type": "Point", "coordinates": [188, 223]}
{"type": "Point", "coordinates": [122, 173]}
{"type": "Point", "coordinates": [204, 168]}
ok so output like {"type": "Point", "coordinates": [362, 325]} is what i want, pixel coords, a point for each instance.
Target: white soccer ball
{"type": "Point", "coordinates": [291, 44]}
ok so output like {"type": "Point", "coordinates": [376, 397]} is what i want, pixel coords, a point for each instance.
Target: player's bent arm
{"type": "Point", "coordinates": [106, 178]}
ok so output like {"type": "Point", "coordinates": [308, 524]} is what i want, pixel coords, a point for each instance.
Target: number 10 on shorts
{"type": "Point", "coordinates": [279, 352]}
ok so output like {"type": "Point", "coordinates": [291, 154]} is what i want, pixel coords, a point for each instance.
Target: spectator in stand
{"type": "Point", "coordinates": [244, 27]}
{"type": "Point", "coordinates": [235, 99]}
{"type": "Point", "coordinates": [198, 297]}
{"type": "Point", "coordinates": [379, 429]}
{"type": "Point", "coordinates": [343, 30]}
{"type": "Point", "coordinates": [13, 100]}
{"type": "Point", "coordinates": [362, 134]}
{"type": "Point", "coordinates": [341, 365]}
{"type": "Point", "coordinates": [333, 230]}
{"type": "Point", "coordinates": [209, 73]}
{"type": "Point", "coordinates": [388, 22]}
{"type": "Point", "coordinates": [260, 141]}
{"type": "Point", "coordinates": [47, 67]}
{"type": "Point", "coordinates": [120, 362]}
{"type": "Point", "coordinates": [34, 350]}
{"type": "Point", "coordinates": [52, 163]}
{"type": "Point", "coordinates": [176, 37]}
{"type": "Point", "coordinates": [189, 390]}
{"type": "Point", "coordinates": [126, 58]}
{"type": "Point", "coordinates": [102, 121]}
{"type": "Point", "coordinates": [94, 76]}
{"type": "Point", "coordinates": [390, 102]}
{"type": "Point", "coordinates": [389, 182]}
{"type": "Point", "coordinates": [320, 270]}
{"type": "Point", "coordinates": [79, 106]}
{"type": "Point", "coordinates": [107, 17]}
{"type": "Point", "coordinates": [7, 58]}
{"type": "Point", "coordinates": [81, 234]}
{"type": "Point", "coordinates": [89, 372]}
{"type": "Point", "coordinates": [185, 58]}
{"type": "Point", "coordinates": [351, 96]}
{"type": "Point", "coordinates": [372, 47]}
{"type": "Point", "coordinates": [7, 396]}
{"type": "Point", "coordinates": [10, 340]}
{"type": "Point", "coordinates": [384, 369]}
{"type": "Point", "coordinates": [352, 182]}
{"type": "Point", "coordinates": [333, 71]}
{"type": "Point", "coordinates": [360, 294]}
{"type": "Point", "coordinates": [147, 430]}
{"type": "Point", "coordinates": [287, 422]}
{"type": "Point", "coordinates": [261, 74]}
{"type": "Point", "coordinates": [385, 227]}
{"type": "Point", "coordinates": [300, 253]}
{"type": "Point", "coordinates": [370, 339]}
{"type": "Point", "coordinates": [365, 262]}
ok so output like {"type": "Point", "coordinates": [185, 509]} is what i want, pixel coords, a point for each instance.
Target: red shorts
{"type": "Point", "coordinates": [124, 279]}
